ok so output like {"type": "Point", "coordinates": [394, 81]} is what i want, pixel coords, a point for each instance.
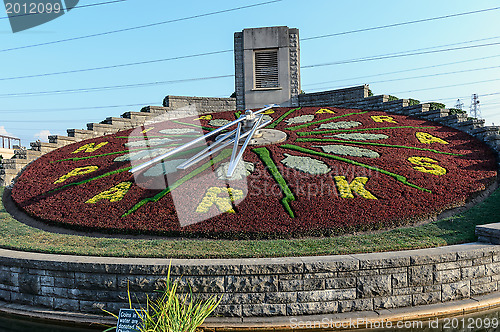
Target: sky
{"type": "Point", "coordinates": [31, 109]}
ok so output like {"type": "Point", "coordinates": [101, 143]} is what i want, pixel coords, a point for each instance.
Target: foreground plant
{"type": "Point", "coordinates": [172, 312]}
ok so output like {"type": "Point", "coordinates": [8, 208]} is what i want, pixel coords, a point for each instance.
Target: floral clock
{"type": "Point", "coordinates": [339, 170]}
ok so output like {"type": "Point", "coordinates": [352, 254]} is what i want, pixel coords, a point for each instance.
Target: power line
{"type": "Point", "coordinates": [432, 75]}
{"type": "Point", "coordinates": [392, 55]}
{"type": "Point", "coordinates": [80, 6]}
{"type": "Point", "coordinates": [460, 97]}
{"type": "Point", "coordinates": [400, 24]}
{"type": "Point", "coordinates": [193, 56]}
{"type": "Point", "coordinates": [403, 71]}
{"type": "Point", "coordinates": [72, 108]}
{"type": "Point", "coordinates": [117, 66]}
{"type": "Point", "coordinates": [53, 121]}
{"type": "Point", "coordinates": [396, 55]}
{"type": "Point", "coordinates": [449, 86]}
{"type": "Point", "coordinates": [112, 87]}
{"type": "Point", "coordinates": [141, 26]}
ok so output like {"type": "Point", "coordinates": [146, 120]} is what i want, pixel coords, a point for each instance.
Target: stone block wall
{"type": "Point", "coordinates": [294, 67]}
{"type": "Point", "coordinates": [337, 98]}
{"type": "Point", "coordinates": [257, 287]}
{"type": "Point", "coordinates": [201, 104]}
{"type": "Point", "coordinates": [239, 73]}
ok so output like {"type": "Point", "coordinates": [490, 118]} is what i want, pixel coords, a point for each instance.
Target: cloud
{"type": "Point", "coordinates": [42, 135]}
{"type": "Point", "coordinates": [4, 132]}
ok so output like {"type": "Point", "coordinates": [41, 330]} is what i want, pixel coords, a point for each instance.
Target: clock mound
{"type": "Point", "coordinates": [333, 171]}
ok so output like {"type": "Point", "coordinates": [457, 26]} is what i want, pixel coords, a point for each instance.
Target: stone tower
{"type": "Point", "coordinates": [267, 67]}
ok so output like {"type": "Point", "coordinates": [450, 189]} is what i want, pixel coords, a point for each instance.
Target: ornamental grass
{"type": "Point", "coordinates": [171, 311]}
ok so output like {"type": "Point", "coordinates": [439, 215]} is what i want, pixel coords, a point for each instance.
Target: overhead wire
{"type": "Point", "coordinates": [430, 75]}
{"type": "Point", "coordinates": [71, 108]}
{"type": "Point", "coordinates": [112, 87]}
{"type": "Point", "coordinates": [396, 55]}
{"type": "Point", "coordinates": [76, 7]}
{"type": "Point", "coordinates": [400, 24]}
{"type": "Point", "coordinates": [140, 26]}
{"type": "Point", "coordinates": [402, 71]}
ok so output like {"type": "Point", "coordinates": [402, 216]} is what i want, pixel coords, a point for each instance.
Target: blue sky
{"type": "Point", "coordinates": [33, 116]}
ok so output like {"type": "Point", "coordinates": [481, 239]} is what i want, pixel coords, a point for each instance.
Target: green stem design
{"type": "Point", "coordinates": [117, 171]}
{"type": "Point", "coordinates": [265, 156]}
{"type": "Point", "coordinates": [399, 178]}
{"type": "Point", "coordinates": [374, 144]}
{"type": "Point", "coordinates": [324, 120]}
{"type": "Point", "coordinates": [281, 118]}
{"type": "Point", "coordinates": [307, 133]}
{"type": "Point", "coordinates": [193, 125]}
{"type": "Point", "coordinates": [159, 136]}
{"type": "Point", "coordinates": [223, 155]}
{"type": "Point", "coordinates": [91, 179]}
{"type": "Point", "coordinates": [112, 153]}
{"type": "Point", "coordinates": [237, 115]}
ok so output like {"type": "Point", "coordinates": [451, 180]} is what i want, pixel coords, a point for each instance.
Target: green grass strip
{"type": "Point", "coordinates": [374, 144]}
{"type": "Point", "coordinates": [281, 118]}
{"type": "Point", "coordinates": [324, 120]}
{"type": "Point", "coordinates": [265, 156]}
{"type": "Point", "coordinates": [399, 178]}
{"type": "Point", "coordinates": [223, 155]}
{"type": "Point", "coordinates": [91, 179]}
{"type": "Point", "coordinates": [306, 133]}
{"type": "Point", "coordinates": [193, 125]}
{"type": "Point", "coordinates": [112, 153]}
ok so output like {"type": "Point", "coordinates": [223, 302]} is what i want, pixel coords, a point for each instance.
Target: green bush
{"type": "Point", "coordinates": [413, 102]}
{"type": "Point", "coordinates": [392, 98]}
{"type": "Point", "coordinates": [456, 111]}
{"type": "Point", "coordinates": [436, 106]}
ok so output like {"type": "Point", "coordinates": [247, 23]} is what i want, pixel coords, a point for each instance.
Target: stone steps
{"type": "Point", "coordinates": [62, 140]}
{"type": "Point", "coordinates": [80, 134]}
{"type": "Point", "coordinates": [120, 123]}
{"type": "Point", "coordinates": [43, 147]}
{"type": "Point", "coordinates": [101, 129]}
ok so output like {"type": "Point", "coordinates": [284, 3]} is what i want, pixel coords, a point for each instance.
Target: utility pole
{"type": "Point", "coordinates": [459, 105]}
{"type": "Point", "coordinates": [475, 112]}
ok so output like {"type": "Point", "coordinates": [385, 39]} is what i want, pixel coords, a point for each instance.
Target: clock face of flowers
{"type": "Point", "coordinates": [338, 170]}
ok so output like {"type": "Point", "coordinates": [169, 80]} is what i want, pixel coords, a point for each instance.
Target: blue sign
{"type": "Point", "coordinates": [128, 321]}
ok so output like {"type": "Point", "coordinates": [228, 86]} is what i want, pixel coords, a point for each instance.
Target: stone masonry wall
{"type": "Point", "coordinates": [334, 97]}
{"type": "Point", "coordinates": [257, 287]}
{"type": "Point", "coordinates": [239, 79]}
{"type": "Point", "coordinates": [202, 104]}
{"type": "Point", "coordinates": [294, 67]}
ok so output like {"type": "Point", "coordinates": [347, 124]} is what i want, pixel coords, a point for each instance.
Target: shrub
{"type": "Point", "coordinates": [173, 312]}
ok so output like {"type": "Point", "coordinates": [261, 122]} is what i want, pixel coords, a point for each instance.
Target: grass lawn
{"type": "Point", "coordinates": [457, 229]}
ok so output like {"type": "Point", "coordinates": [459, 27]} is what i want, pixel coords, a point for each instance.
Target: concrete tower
{"type": "Point", "coordinates": [267, 67]}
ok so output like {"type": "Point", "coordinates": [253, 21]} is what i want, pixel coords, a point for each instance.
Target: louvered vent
{"type": "Point", "coordinates": [266, 69]}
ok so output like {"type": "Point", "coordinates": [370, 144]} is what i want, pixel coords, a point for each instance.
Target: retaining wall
{"type": "Point", "coordinates": [334, 97]}
{"type": "Point", "coordinates": [202, 104]}
{"type": "Point", "coordinates": [257, 287]}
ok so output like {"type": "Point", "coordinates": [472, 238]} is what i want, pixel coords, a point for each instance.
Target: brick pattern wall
{"type": "Point", "coordinates": [257, 287]}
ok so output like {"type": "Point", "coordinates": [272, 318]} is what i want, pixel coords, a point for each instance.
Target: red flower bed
{"type": "Point", "coordinates": [358, 181]}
